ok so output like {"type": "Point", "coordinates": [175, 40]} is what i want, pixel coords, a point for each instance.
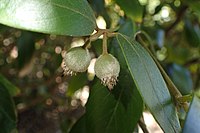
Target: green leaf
{"type": "Point", "coordinates": [80, 126]}
{"type": "Point", "coordinates": [61, 17]}
{"type": "Point", "coordinates": [113, 112]}
{"type": "Point", "coordinates": [195, 5]}
{"type": "Point", "coordinates": [97, 47]}
{"type": "Point", "coordinates": [193, 117]}
{"type": "Point", "coordinates": [132, 8]}
{"type": "Point", "coordinates": [7, 111]}
{"type": "Point", "coordinates": [77, 82]}
{"type": "Point", "coordinates": [128, 28]}
{"type": "Point", "coordinates": [97, 6]}
{"type": "Point", "coordinates": [150, 84]}
{"type": "Point", "coordinates": [192, 33]}
{"type": "Point", "coordinates": [181, 78]}
{"type": "Point", "coordinates": [100, 10]}
{"type": "Point", "coordinates": [26, 48]}
{"type": "Point", "coordinates": [12, 89]}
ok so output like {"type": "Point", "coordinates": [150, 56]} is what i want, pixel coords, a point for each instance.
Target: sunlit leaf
{"type": "Point", "coordinates": [150, 84]}
{"type": "Point", "coordinates": [62, 17]}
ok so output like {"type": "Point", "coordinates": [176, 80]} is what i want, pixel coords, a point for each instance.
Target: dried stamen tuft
{"type": "Point", "coordinates": [66, 70]}
{"type": "Point", "coordinates": [110, 82]}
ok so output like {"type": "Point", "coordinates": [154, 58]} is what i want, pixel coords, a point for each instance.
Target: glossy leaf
{"type": "Point", "coordinates": [193, 117]}
{"type": "Point", "coordinates": [7, 112]}
{"type": "Point", "coordinates": [181, 78]}
{"type": "Point", "coordinates": [132, 8]}
{"type": "Point", "coordinates": [150, 84]}
{"type": "Point", "coordinates": [12, 89]}
{"type": "Point", "coordinates": [59, 17]}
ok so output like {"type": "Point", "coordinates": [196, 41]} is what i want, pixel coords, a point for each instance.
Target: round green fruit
{"type": "Point", "coordinates": [107, 69]}
{"type": "Point", "coordinates": [75, 60]}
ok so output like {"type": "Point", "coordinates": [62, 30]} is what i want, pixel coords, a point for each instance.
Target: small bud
{"type": "Point", "coordinates": [75, 60]}
{"type": "Point", "coordinates": [107, 69]}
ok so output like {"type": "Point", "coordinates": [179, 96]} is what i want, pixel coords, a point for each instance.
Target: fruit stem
{"type": "Point", "coordinates": [87, 44]}
{"type": "Point", "coordinates": [105, 51]}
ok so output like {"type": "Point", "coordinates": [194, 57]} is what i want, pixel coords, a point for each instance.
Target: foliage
{"type": "Point", "coordinates": [157, 44]}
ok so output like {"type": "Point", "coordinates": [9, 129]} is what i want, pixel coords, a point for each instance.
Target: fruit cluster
{"type": "Point", "coordinates": [106, 68]}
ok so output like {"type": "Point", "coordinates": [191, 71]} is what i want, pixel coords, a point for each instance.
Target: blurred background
{"type": "Point", "coordinates": [47, 102]}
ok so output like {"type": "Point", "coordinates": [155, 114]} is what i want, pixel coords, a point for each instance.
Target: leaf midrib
{"type": "Point", "coordinates": [145, 70]}
{"type": "Point", "coordinates": [71, 9]}
{"type": "Point", "coordinates": [114, 111]}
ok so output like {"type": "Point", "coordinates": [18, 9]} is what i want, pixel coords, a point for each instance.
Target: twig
{"type": "Point", "coordinates": [143, 125]}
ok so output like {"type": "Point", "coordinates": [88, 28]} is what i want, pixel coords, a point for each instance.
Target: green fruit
{"type": "Point", "coordinates": [77, 59]}
{"type": "Point", "coordinates": [107, 69]}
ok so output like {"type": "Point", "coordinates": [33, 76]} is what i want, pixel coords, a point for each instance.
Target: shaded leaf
{"type": "Point", "coordinates": [7, 111]}
{"type": "Point", "coordinates": [193, 117]}
{"type": "Point", "coordinates": [100, 10]}
{"type": "Point", "coordinates": [80, 126]}
{"type": "Point", "coordinates": [98, 6]}
{"type": "Point", "coordinates": [26, 47]}
{"type": "Point", "coordinates": [150, 84]}
{"type": "Point", "coordinates": [181, 78]}
{"type": "Point", "coordinates": [128, 28]}
{"type": "Point", "coordinates": [77, 82]}
{"type": "Point", "coordinates": [49, 16]}
{"type": "Point", "coordinates": [64, 125]}
{"type": "Point", "coordinates": [192, 33]}
{"type": "Point", "coordinates": [97, 47]}
{"type": "Point", "coordinates": [195, 5]}
{"type": "Point", "coordinates": [113, 112]}
{"type": "Point", "coordinates": [132, 8]}
{"type": "Point", "coordinates": [12, 89]}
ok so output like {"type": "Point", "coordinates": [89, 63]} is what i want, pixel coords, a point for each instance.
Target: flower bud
{"type": "Point", "coordinates": [107, 69]}
{"type": "Point", "coordinates": [75, 60]}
